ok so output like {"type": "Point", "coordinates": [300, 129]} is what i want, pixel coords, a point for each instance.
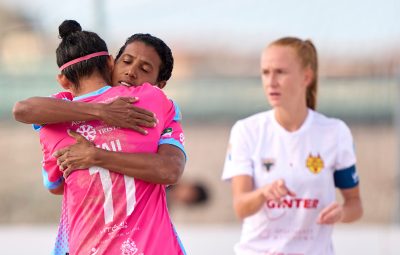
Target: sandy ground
{"type": "Point", "coordinates": [25, 201]}
{"type": "Point", "coordinates": [212, 239]}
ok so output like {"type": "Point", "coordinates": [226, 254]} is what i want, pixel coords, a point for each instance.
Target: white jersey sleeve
{"type": "Point", "coordinates": [345, 154]}
{"type": "Point", "coordinates": [238, 159]}
{"type": "Point", "coordinates": [345, 175]}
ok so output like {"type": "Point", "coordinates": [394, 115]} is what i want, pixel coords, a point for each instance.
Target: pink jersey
{"type": "Point", "coordinates": [109, 213]}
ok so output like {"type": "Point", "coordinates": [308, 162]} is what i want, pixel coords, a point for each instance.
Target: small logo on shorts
{"type": "Point", "coordinates": [355, 177]}
{"type": "Point", "coordinates": [268, 163]}
{"type": "Point", "coordinates": [314, 163]}
{"type": "Point", "coordinates": [94, 251]}
{"type": "Point", "coordinates": [129, 247]}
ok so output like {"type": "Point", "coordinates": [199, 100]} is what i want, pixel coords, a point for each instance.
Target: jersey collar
{"type": "Point", "coordinates": [93, 93]}
{"type": "Point", "coordinates": [303, 127]}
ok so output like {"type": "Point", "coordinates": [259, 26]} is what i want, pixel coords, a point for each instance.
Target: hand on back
{"type": "Point", "coordinates": [122, 113]}
{"type": "Point", "coordinates": [77, 156]}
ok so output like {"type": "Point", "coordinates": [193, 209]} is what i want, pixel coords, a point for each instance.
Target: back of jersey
{"type": "Point", "coordinates": [110, 213]}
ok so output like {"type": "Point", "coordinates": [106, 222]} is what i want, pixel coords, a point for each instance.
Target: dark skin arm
{"type": "Point", "coordinates": [120, 112]}
{"type": "Point", "coordinates": [59, 190]}
{"type": "Point", "coordinates": [164, 167]}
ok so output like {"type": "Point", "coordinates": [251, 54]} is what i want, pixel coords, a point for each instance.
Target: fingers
{"type": "Point", "coordinates": [143, 123]}
{"type": "Point", "coordinates": [139, 130]}
{"type": "Point", "coordinates": [291, 193]}
{"type": "Point", "coordinates": [61, 158]}
{"type": "Point", "coordinates": [144, 114]}
{"type": "Point", "coordinates": [63, 163]}
{"type": "Point", "coordinates": [137, 119]}
{"type": "Point", "coordinates": [67, 167]}
{"type": "Point", "coordinates": [331, 214]}
{"type": "Point", "coordinates": [67, 172]}
{"type": "Point", "coordinates": [138, 123]}
{"type": "Point", "coordinates": [133, 123]}
{"type": "Point", "coordinates": [130, 100]}
{"type": "Point", "coordinates": [276, 195]}
{"type": "Point", "coordinates": [122, 113]}
{"type": "Point", "coordinates": [283, 190]}
{"type": "Point", "coordinates": [76, 136]}
{"type": "Point", "coordinates": [277, 190]}
{"type": "Point", "coordinates": [60, 152]}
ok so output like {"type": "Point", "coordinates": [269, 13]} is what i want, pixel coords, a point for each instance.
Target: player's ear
{"type": "Point", "coordinates": [63, 81]}
{"type": "Point", "coordinates": [308, 76]}
{"type": "Point", "coordinates": [161, 84]}
{"type": "Point", "coordinates": [110, 62]}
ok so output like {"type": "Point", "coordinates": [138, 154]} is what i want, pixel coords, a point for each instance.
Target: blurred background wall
{"type": "Point", "coordinates": [216, 82]}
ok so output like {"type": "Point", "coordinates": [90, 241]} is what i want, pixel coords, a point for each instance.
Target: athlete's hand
{"type": "Point", "coordinates": [276, 190]}
{"type": "Point", "coordinates": [331, 214]}
{"type": "Point", "coordinates": [122, 113]}
{"type": "Point", "coordinates": [77, 156]}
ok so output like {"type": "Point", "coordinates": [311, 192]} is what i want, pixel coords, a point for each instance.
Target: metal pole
{"type": "Point", "coordinates": [100, 18]}
{"type": "Point", "coordinates": [396, 216]}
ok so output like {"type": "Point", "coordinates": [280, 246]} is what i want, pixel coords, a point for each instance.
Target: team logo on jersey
{"type": "Point", "coordinates": [268, 163]}
{"type": "Point", "coordinates": [166, 132]}
{"type": "Point", "coordinates": [315, 163]}
{"type": "Point", "coordinates": [87, 131]}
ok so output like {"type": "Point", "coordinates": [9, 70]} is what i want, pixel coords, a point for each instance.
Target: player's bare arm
{"type": "Point", "coordinates": [59, 190]}
{"type": "Point", "coordinates": [248, 201]}
{"type": "Point", "coordinates": [164, 167]}
{"type": "Point", "coordinates": [120, 112]}
{"type": "Point", "coordinates": [351, 209]}
{"type": "Point", "coordinates": [352, 206]}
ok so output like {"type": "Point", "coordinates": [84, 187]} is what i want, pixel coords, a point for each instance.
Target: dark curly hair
{"type": "Point", "coordinates": [162, 49]}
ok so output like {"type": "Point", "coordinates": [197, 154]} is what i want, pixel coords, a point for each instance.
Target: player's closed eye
{"type": "Point", "coordinates": [146, 69]}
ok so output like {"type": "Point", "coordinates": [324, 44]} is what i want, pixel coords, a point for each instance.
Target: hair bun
{"type": "Point", "coordinates": [68, 27]}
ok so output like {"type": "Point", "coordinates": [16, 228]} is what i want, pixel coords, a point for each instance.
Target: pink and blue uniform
{"type": "Point", "coordinates": [109, 213]}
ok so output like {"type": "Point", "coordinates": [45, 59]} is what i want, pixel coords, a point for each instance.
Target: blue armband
{"type": "Point", "coordinates": [346, 178]}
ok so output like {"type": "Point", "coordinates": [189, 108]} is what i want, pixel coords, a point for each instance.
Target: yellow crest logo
{"type": "Point", "coordinates": [315, 164]}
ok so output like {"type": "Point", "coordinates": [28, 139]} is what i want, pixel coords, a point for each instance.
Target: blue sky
{"type": "Point", "coordinates": [342, 26]}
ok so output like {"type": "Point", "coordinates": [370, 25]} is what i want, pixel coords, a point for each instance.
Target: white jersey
{"type": "Point", "coordinates": [312, 161]}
